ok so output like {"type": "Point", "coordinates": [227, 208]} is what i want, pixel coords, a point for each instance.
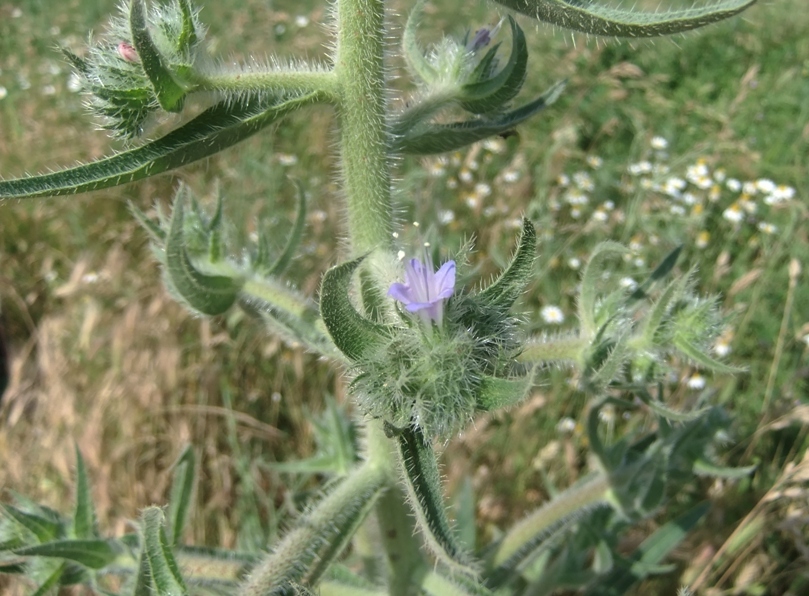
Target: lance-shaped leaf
{"type": "Point", "coordinates": [495, 393]}
{"type": "Point", "coordinates": [43, 527]}
{"type": "Point", "coordinates": [166, 577]}
{"type": "Point", "coordinates": [50, 583]}
{"type": "Point", "coordinates": [169, 91]}
{"type": "Point", "coordinates": [492, 93]}
{"type": "Point", "coordinates": [702, 358]}
{"type": "Point", "coordinates": [649, 554]}
{"type": "Point", "coordinates": [354, 335]}
{"type": "Point", "coordinates": [214, 130]}
{"type": "Point", "coordinates": [182, 491]}
{"type": "Point", "coordinates": [207, 294]}
{"type": "Point", "coordinates": [597, 19]}
{"type": "Point", "coordinates": [263, 262]}
{"type": "Point", "coordinates": [290, 314]}
{"type": "Point", "coordinates": [84, 518]}
{"type": "Point", "coordinates": [436, 583]}
{"type": "Point", "coordinates": [703, 467]}
{"type": "Point", "coordinates": [662, 270]}
{"type": "Point", "coordinates": [413, 54]}
{"type": "Point", "coordinates": [505, 290]}
{"type": "Point", "coordinates": [318, 538]}
{"type": "Point", "coordinates": [440, 138]}
{"type": "Point", "coordinates": [590, 281]}
{"type": "Point", "coordinates": [93, 554]}
{"type": "Point", "coordinates": [188, 35]}
{"type": "Point", "coordinates": [422, 480]}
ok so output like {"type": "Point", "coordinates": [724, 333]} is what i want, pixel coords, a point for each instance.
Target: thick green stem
{"type": "Point", "coordinates": [280, 81]}
{"type": "Point", "coordinates": [394, 515]}
{"type": "Point", "coordinates": [359, 66]}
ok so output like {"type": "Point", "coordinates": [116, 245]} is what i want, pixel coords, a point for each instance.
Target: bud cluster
{"type": "Point", "coordinates": [143, 63]}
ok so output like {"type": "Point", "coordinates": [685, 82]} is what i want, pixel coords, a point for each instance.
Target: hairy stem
{"type": "Point", "coordinates": [279, 81]}
{"type": "Point", "coordinates": [402, 546]}
{"type": "Point", "coordinates": [359, 66]}
{"type": "Point", "coordinates": [575, 499]}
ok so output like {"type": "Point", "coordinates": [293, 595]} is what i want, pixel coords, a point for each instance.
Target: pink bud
{"type": "Point", "coordinates": [127, 52]}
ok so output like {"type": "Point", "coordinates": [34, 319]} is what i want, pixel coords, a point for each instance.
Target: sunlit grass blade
{"type": "Point", "coordinates": [214, 130]}
{"type": "Point", "coordinates": [294, 239]}
{"type": "Point", "coordinates": [600, 19]}
{"type": "Point", "coordinates": [182, 491]}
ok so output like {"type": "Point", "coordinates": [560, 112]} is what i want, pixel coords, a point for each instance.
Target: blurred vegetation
{"type": "Point", "coordinates": [102, 356]}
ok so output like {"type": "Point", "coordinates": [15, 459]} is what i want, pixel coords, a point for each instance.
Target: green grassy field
{"type": "Point", "coordinates": [701, 139]}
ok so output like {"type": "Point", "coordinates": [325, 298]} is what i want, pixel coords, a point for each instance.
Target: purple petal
{"type": "Point", "coordinates": [444, 280]}
{"type": "Point", "coordinates": [401, 292]}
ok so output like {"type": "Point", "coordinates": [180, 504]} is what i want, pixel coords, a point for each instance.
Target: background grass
{"type": "Point", "coordinates": [102, 356]}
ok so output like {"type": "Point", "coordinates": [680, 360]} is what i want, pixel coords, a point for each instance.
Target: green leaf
{"type": "Point", "coordinates": [590, 281]}
{"type": "Point", "coordinates": [51, 582]}
{"type": "Point", "coordinates": [656, 317]}
{"type": "Point", "coordinates": [166, 577]}
{"type": "Point", "coordinates": [188, 34]}
{"type": "Point", "coordinates": [354, 335]}
{"type": "Point", "coordinates": [464, 506]}
{"type": "Point", "coordinates": [597, 19]}
{"type": "Point", "coordinates": [207, 294]}
{"type": "Point", "coordinates": [435, 583]}
{"type": "Point", "coordinates": [495, 393]}
{"type": "Point", "coordinates": [287, 313]}
{"type": "Point", "coordinates": [413, 54]}
{"type": "Point", "coordinates": [294, 240]}
{"type": "Point", "coordinates": [703, 467]}
{"type": "Point", "coordinates": [440, 138]}
{"type": "Point", "coordinates": [182, 492]}
{"type": "Point", "coordinates": [169, 91]}
{"type": "Point", "coordinates": [43, 528]}
{"type": "Point", "coordinates": [423, 483]}
{"type": "Point", "coordinates": [94, 554]}
{"type": "Point", "coordinates": [214, 130]}
{"type": "Point", "coordinates": [491, 94]}
{"type": "Point", "coordinates": [156, 233]}
{"type": "Point", "coordinates": [662, 270]}
{"type": "Point", "coordinates": [84, 518]}
{"type": "Point", "coordinates": [700, 357]}
{"type": "Point", "coordinates": [649, 554]}
{"type": "Point", "coordinates": [505, 290]}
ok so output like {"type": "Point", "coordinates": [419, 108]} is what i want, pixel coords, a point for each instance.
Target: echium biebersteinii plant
{"type": "Point", "coordinates": [424, 351]}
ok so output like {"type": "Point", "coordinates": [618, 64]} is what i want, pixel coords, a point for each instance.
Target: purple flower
{"type": "Point", "coordinates": [425, 291]}
{"type": "Point", "coordinates": [482, 37]}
